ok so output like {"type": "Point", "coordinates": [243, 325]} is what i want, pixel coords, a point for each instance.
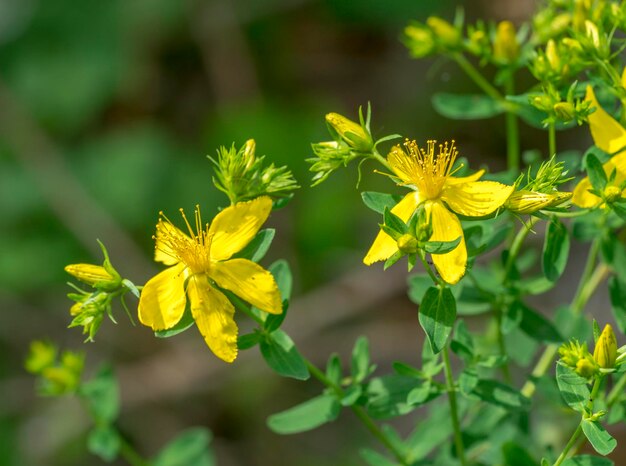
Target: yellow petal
{"type": "Point", "coordinates": [465, 179]}
{"type": "Point", "coordinates": [162, 301]}
{"type": "Point", "coordinates": [234, 227]}
{"type": "Point", "coordinates": [250, 282]}
{"type": "Point", "coordinates": [213, 314]}
{"type": "Point", "coordinates": [166, 233]}
{"type": "Point", "coordinates": [385, 246]}
{"type": "Point", "coordinates": [582, 197]}
{"type": "Point", "coordinates": [624, 78]}
{"type": "Point", "coordinates": [475, 199]}
{"type": "Point", "coordinates": [402, 164]}
{"type": "Point", "coordinates": [607, 133]}
{"type": "Point", "coordinates": [446, 227]}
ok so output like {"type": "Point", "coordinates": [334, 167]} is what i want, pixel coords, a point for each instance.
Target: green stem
{"type": "Point", "coordinates": [616, 392]}
{"type": "Point", "coordinates": [512, 130]}
{"type": "Point", "coordinates": [506, 371]}
{"type": "Point", "coordinates": [456, 425]}
{"type": "Point", "coordinates": [551, 139]}
{"type": "Point", "coordinates": [376, 156]}
{"type": "Point", "coordinates": [589, 281]}
{"type": "Point", "coordinates": [436, 280]}
{"type": "Point", "coordinates": [319, 375]}
{"type": "Point", "coordinates": [471, 71]}
{"type": "Point", "coordinates": [518, 241]}
{"type": "Point", "coordinates": [130, 454]}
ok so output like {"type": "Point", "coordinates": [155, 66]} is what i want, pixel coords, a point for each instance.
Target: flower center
{"type": "Point", "coordinates": [193, 250]}
{"type": "Point", "coordinates": [425, 170]}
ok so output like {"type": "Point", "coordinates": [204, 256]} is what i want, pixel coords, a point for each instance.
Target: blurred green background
{"type": "Point", "coordinates": [107, 112]}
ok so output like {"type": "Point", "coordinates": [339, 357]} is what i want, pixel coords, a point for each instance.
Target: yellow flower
{"type": "Point", "coordinates": [609, 136]}
{"type": "Point", "coordinates": [429, 176]}
{"type": "Point", "coordinates": [202, 260]}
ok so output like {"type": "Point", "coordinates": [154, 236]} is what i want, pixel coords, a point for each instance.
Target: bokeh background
{"type": "Point", "coordinates": [107, 112]}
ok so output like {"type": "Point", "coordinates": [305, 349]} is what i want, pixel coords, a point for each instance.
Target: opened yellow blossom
{"type": "Point", "coordinates": [429, 176]}
{"type": "Point", "coordinates": [609, 136]}
{"type": "Point", "coordinates": [201, 261]}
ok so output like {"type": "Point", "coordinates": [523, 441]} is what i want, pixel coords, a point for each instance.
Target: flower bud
{"type": "Point", "coordinates": [41, 355]}
{"type": "Point", "coordinates": [528, 202]}
{"type": "Point", "coordinates": [542, 102]}
{"type": "Point", "coordinates": [605, 351]}
{"type": "Point", "coordinates": [95, 275]}
{"type": "Point", "coordinates": [505, 46]}
{"type": "Point", "coordinates": [564, 111]}
{"type": "Point", "coordinates": [552, 55]}
{"type": "Point", "coordinates": [419, 40]}
{"type": "Point", "coordinates": [612, 193]}
{"type": "Point", "coordinates": [407, 244]}
{"type": "Point", "coordinates": [353, 134]}
{"type": "Point", "coordinates": [446, 33]}
{"type": "Point", "coordinates": [249, 149]}
{"type": "Point", "coordinates": [585, 368]}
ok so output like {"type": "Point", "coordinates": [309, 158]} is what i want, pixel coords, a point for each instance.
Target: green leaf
{"type": "Point", "coordinates": [466, 106]}
{"type": "Point", "coordinates": [598, 437]}
{"type": "Point", "coordinates": [104, 441]}
{"type": "Point", "coordinates": [102, 396]}
{"type": "Point", "coordinates": [617, 292]}
{"type": "Point", "coordinates": [333, 369]}
{"type": "Point", "coordinates": [360, 364]}
{"type": "Point", "coordinates": [378, 202]}
{"type": "Point", "coordinates": [306, 416]}
{"type": "Point", "coordinates": [573, 387]}
{"type": "Point", "coordinates": [499, 394]}
{"type": "Point", "coordinates": [516, 455]}
{"type": "Point", "coordinates": [183, 324]}
{"type": "Point", "coordinates": [555, 250]}
{"type": "Point", "coordinates": [537, 326]}
{"type": "Point", "coordinates": [281, 354]}
{"type": "Point", "coordinates": [387, 395]}
{"type": "Point", "coordinates": [258, 247]}
{"type": "Point", "coordinates": [587, 460]}
{"type": "Point", "coordinates": [393, 222]}
{"type": "Point", "coordinates": [351, 395]}
{"type": "Point", "coordinates": [282, 274]}
{"type": "Point", "coordinates": [595, 171]}
{"type": "Point", "coordinates": [373, 458]}
{"type": "Point", "coordinates": [190, 447]}
{"type": "Point", "coordinates": [249, 340]}
{"type": "Point", "coordinates": [462, 343]}
{"type": "Point", "coordinates": [441, 247]}
{"type": "Point", "coordinates": [437, 314]}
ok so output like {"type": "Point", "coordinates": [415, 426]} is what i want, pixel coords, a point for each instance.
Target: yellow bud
{"type": "Point", "coordinates": [605, 351]}
{"type": "Point", "coordinates": [552, 55]}
{"type": "Point", "coordinates": [591, 30]}
{"type": "Point", "coordinates": [420, 40]}
{"type": "Point", "coordinates": [94, 275]}
{"type": "Point", "coordinates": [42, 355]}
{"type": "Point", "coordinates": [527, 202]}
{"type": "Point", "coordinates": [76, 309]}
{"type": "Point", "coordinates": [350, 132]}
{"type": "Point", "coordinates": [585, 368]}
{"type": "Point", "coordinates": [447, 34]}
{"type": "Point", "coordinates": [542, 102]}
{"type": "Point", "coordinates": [564, 111]}
{"type": "Point", "coordinates": [407, 244]}
{"type": "Point", "coordinates": [612, 193]}
{"type": "Point", "coordinates": [505, 46]}
{"type": "Point", "coordinates": [248, 152]}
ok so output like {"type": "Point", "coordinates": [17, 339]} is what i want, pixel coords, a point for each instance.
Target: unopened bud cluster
{"type": "Point", "coordinates": [58, 374]}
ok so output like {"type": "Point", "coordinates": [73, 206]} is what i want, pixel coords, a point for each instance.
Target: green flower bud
{"type": "Point", "coordinates": [542, 102]}
{"type": "Point", "coordinates": [564, 111]}
{"type": "Point", "coordinates": [353, 134]}
{"type": "Point", "coordinates": [419, 40]}
{"type": "Point", "coordinates": [445, 33]}
{"type": "Point", "coordinates": [612, 193]}
{"type": "Point", "coordinates": [42, 355]}
{"type": "Point", "coordinates": [95, 275]}
{"type": "Point", "coordinates": [605, 351]}
{"type": "Point", "coordinates": [407, 244]}
{"type": "Point", "coordinates": [586, 368]}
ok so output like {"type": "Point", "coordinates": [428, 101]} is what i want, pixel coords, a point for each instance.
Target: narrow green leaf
{"type": "Point", "coordinates": [617, 292]}
{"type": "Point", "coordinates": [282, 274]}
{"type": "Point", "coordinates": [573, 387]}
{"type": "Point", "coordinates": [333, 368]}
{"type": "Point", "coordinates": [190, 447]}
{"type": "Point", "coordinates": [249, 340]}
{"type": "Point", "coordinates": [373, 458]}
{"type": "Point", "coordinates": [379, 201]}
{"type": "Point", "coordinates": [306, 416]}
{"type": "Point", "coordinates": [104, 441]}
{"type": "Point", "coordinates": [587, 460]}
{"type": "Point", "coordinates": [595, 171]}
{"type": "Point", "coordinates": [598, 437]}
{"type": "Point", "coordinates": [387, 395]}
{"type": "Point", "coordinates": [394, 222]}
{"type": "Point", "coordinates": [441, 247]}
{"type": "Point", "coordinates": [258, 247]}
{"type": "Point", "coordinates": [499, 394]}
{"type": "Point", "coordinates": [102, 396]}
{"type": "Point", "coordinates": [537, 326]}
{"type": "Point", "coordinates": [466, 106]}
{"type": "Point", "coordinates": [555, 250]}
{"type": "Point", "coordinates": [437, 314]}
{"type": "Point", "coordinates": [360, 364]}
{"type": "Point", "coordinates": [351, 395]}
{"type": "Point", "coordinates": [280, 353]}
